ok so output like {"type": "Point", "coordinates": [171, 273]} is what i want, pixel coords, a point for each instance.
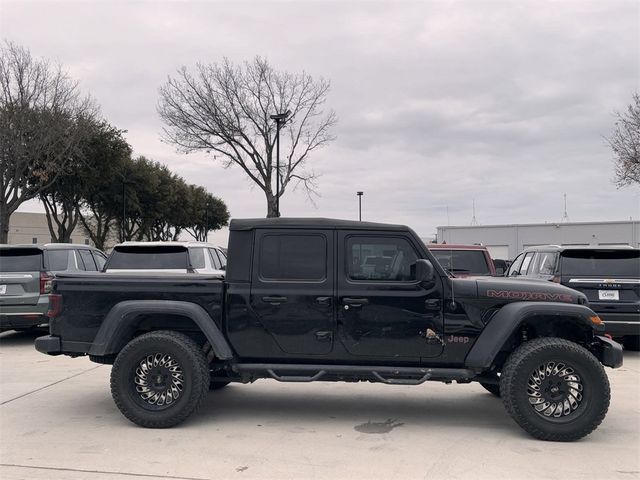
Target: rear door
{"type": "Point", "coordinates": [292, 289]}
{"type": "Point", "coordinates": [609, 278]}
{"type": "Point", "coordinates": [382, 310]}
{"type": "Point", "coordinates": [20, 276]}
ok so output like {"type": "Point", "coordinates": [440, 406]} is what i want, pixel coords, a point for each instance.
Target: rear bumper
{"type": "Point", "coordinates": [608, 352]}
{"type": "Point", "coordinates": [49, 344]}
{"type": "Point", "coordinates": [10, 321]}
{"type": "Point", "coordinates": [621, 325]}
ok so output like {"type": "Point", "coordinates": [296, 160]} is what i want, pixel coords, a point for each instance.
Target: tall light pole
{"type": "Point", "coordinates": [280, 119]}
{"type": "Point", "coordinates": [360, 205]}
{"type": "Point", "coordinates": [206, 222]}
{"type": "Point", "coordinates": [124, 207]}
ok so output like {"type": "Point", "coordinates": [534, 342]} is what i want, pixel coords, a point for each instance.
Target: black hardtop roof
{"type": "Point", "coordinates": [319, 223]}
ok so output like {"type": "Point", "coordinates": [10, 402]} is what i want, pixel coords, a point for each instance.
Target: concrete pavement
{"type": "Point", "coordinates": [57, 421]}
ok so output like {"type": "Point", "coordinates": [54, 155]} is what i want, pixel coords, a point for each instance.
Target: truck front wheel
{"type": "Point", "coordinates": [555, 389]}
{"type": "Point", "coordinates": [159, 379]}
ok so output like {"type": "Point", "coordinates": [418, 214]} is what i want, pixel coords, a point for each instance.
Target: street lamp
{"type": "Point", "coordinates": [280, 119]}
{"type": "Point", "coordinates": [124, 208]}
{"type": "Point", "coordinates": [206, 222]}
{"type": "Point", "coordinates": [360, 205]}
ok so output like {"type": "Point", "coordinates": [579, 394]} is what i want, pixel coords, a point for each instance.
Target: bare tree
{"type": "Point", "coordinates": [226, 109]}
{"type": "Point", "coordinates": [625, 143]}
{"type": "Point", "coordinates": [40, 109]}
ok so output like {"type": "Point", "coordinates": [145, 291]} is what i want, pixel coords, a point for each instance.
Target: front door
{"type": "Point", "coordinates": [382, 310]}
{"type": "Point", "coordinates": [292, 289]}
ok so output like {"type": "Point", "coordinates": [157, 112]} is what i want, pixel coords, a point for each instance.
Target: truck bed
{"type": "Point", "coordinates": [89, 297]}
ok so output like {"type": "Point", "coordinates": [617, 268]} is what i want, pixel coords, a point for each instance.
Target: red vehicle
{"type": "Point", "coordinates": [464, 260]}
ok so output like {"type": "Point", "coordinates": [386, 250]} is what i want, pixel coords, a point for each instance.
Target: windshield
{"type": "Point", "coordinates": [148, 258]}
{"type": "Point", "coordinates": [466, 262]}
{"type": "Point", "coordinates": [609, 263]}
{"type": "Point", "coordinates": [20, 260]}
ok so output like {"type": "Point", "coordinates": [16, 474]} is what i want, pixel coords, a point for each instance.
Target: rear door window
{"type": "Point", "coordinates": [100, 260]}
{"type": "Point", "coordinates": [215, 260]}
{"type": "Point", "coordinates": [223, 257]}
{"type": "Point", "coordinates": [601, 263]}
{"type": "Point", "coordinates": [196, 255]}
{"type": "Point", "coordinates": [293, 257]}
{"type": "Point", "coordinates": [526, 263]}
{"type": "Point", "coordinates": [87, 260]}
{"type": "Point", "coordinates": [20, 260]}
{"type": "Point", "coordinates": [61, 260]}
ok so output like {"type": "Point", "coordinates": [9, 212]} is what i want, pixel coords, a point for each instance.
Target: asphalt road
{"type": "Point", "coordinates": [57, 421]}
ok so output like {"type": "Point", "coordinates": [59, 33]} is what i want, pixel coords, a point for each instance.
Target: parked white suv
{"type": "Point", "coordinates": [167, 257]}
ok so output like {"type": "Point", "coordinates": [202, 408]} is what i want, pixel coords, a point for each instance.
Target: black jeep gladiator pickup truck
{"type": "Point", "coordinates": [335, 300]}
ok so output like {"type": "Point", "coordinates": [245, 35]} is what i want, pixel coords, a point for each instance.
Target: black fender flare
{"type": "Point", "coordinates": [510, 318]}
{"type": "Point", "coordinates": [117, 326]}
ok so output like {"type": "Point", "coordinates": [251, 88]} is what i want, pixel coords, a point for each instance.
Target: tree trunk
{"type": "Point", "coordinates": [4, 223]}
{"type": "Point", "coordinates": [98, 227]}
{"type": "Point", "coordinates": [272, 208]}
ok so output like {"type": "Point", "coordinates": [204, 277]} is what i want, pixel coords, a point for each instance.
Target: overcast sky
{"type": "Point", "coordinates": [439, 103]}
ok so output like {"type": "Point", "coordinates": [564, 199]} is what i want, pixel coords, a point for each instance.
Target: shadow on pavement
{"type": "Point", "coordinates": [468, 408]}
{"type": "Point", "coordinates": [17, 339]}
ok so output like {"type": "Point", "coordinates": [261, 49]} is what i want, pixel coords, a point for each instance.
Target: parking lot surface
{"type": "Point", "coordinates": [57, 421]}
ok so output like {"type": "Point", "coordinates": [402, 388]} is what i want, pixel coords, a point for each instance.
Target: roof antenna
{"type": "Point", "coordinates": [448, 219]}
{"type": "Point", "coordinates": [565, 216]}
{"type": "Point", "coordinates": [474, 221]}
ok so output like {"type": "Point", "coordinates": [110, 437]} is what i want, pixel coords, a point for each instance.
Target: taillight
{"type": "Point", "coordinates": [55, 305]}
{"type": "Point", "coordinates": [46, 280]}
{"type": "Point", "coordinates": [556, 279]}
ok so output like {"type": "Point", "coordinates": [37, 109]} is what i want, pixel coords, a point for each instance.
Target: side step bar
{"type": "Point", "coordinates": [384, 374]}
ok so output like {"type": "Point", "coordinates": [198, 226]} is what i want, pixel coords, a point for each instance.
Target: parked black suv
{"type": "Point", "coordinates": [608, 276]}
{"type": "Point", "coordinates": [335, 300]}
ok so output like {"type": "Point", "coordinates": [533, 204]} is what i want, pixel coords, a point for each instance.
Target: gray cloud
{"type": "Point", "coordinates": [439, 102]}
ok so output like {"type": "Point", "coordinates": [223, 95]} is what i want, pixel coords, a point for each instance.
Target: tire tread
{"type": "Point", "coordinates": [512, 371]}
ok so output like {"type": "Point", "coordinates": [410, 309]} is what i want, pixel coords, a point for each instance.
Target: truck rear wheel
{"type": "Point", "coordinates": [555, 389]}
{"type": "Point", "coordinates": [159, 379]}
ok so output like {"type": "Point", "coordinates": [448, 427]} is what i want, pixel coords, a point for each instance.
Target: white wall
{"type": "Point", "coordinates": [518, 237]}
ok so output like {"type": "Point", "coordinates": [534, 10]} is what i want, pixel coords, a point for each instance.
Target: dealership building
{"type": "Point", "coordinates": [32, 227]}
{"type": "Point", "coordinates": [506, 241]}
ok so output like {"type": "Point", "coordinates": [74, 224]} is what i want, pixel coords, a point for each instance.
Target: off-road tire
{"type": "Point", "coordinates": [595, 397]}
{"type": "Point", "coordinates": [493, 388]}
{"type": "Point", "coordinates": [194, 371]}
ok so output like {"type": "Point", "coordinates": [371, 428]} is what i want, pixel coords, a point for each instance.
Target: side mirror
{"type": "Point", "coordinates": [424, 270]}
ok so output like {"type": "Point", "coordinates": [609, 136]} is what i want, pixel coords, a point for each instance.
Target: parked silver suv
{"type": "Point", "coordinates": [26, 272]}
